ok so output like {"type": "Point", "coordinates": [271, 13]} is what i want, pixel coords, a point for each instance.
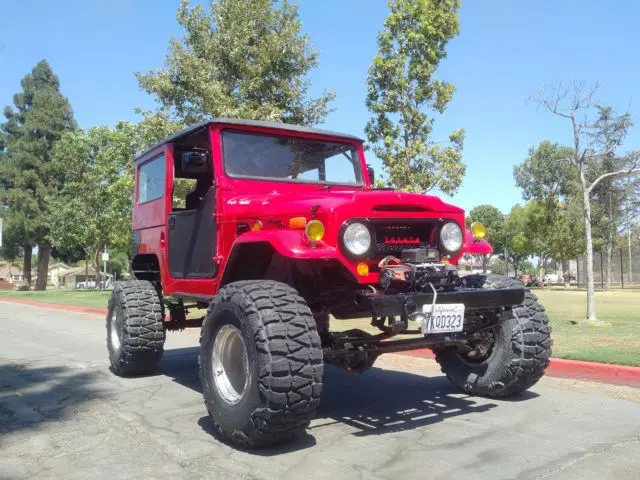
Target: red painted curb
{"type": "Point", "coordinates": [558, 367]}
{"type": "Point", "coordinates": [596, 372]}
{"type": "Point", "coordinates": [576, 369]}
{"type": "Point", "coordinates": [55, 306]}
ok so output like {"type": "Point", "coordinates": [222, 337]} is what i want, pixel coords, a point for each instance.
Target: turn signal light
{"type": "Point", "coordinates": [257, 226]}
{"type": "Point", "coordinates": [297, 222]}
{"type": "Point", "coordinates": [363, 269]}
{"type": "Point", "coordinates": [315, 230]}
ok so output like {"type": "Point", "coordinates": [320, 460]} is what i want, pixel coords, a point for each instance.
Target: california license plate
{"type": "Point", "coordinates": [443, 318]}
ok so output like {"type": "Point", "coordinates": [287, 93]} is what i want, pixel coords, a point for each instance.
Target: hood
{"type": "Point", "coordinates": [358, 202]}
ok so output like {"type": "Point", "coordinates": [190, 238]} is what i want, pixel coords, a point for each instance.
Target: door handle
{"type": "Point", "coordinates": [172, 222]}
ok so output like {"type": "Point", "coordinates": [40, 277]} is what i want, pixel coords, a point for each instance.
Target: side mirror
{"type": "Point", "coordinates": [372, 175]}
{"type": "Point", "coordinates": [196, 162]}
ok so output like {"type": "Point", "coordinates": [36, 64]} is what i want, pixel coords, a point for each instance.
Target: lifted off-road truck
{"type": "Point", "coordinates": [279, 231]}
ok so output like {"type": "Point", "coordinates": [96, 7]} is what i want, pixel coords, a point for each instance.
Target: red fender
{"type": "Point", "coordinates": [476, 246]}
{"type": "Point", "coordinates": [290, 243]}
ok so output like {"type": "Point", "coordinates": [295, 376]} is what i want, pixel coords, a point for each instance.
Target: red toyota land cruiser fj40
{"type": "Point", "coordinates": [278, 230]}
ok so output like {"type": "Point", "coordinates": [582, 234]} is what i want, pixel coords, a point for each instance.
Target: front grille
{"type": "Point", "coordinates": [393, 238]}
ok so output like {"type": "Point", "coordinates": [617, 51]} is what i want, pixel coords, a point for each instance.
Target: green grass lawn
{"type": "Point", "coordinates": [618, 343]}
{"type": "Point", "coordinates": [80, 298]}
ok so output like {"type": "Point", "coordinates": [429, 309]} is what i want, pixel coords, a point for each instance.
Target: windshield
{"type": "Point", "coordinates": [286, 158]}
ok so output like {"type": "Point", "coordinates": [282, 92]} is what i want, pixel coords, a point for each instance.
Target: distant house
{"type": "Point", "coordinates": [8, 272]}
{"type": "Point", "coordinates": [56, 271]}
{"type": "Point", "coordinates": [81, 277]}
{"type": "Point", "coordinates": [9, 275]}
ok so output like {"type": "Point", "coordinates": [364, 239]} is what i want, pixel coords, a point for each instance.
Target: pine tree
{"type": "Point", "coordinates": [28, 177]}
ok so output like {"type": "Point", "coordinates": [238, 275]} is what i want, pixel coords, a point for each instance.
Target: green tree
{"type": "Point", "coordinates": [545, 173]}
{"type": "Point", "coordinates": [94, 206]}
{"type": "Point", "coordinates": [566, 237]}
{"type": "Point", "coordinates": [493, 220]}
{"type": "Point", "coordinates": [519, 242]}
{"type": "Point", "coordinates": [608, 205]}
{"type": "Point", "coordinates": [28, 177]}
{"type": "Point", "coordinates": [547, 179]}
{"type": "Point", "coordinates": [401, 90]}
{"type": "Point", "coordinates": [239, 58]}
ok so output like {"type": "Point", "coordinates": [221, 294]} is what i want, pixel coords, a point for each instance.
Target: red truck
{"type": "Point", "coordinates": [279, 231]}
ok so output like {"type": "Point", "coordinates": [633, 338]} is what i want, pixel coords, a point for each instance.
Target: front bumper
{"type": "Point", "coordinates": [381, 304]}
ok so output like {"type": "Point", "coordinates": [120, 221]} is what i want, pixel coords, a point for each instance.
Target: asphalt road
{"type": "Point", "coordinates": [63, 414]}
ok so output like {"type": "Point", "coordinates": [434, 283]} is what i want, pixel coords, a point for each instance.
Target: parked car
{"type": "Point", "coordinates": [551, 278]}
{"type": "Point", "coordinates": [86, 284]}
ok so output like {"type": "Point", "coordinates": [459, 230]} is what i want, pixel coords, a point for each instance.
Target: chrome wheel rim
{"type": "Point", "coordinates": [116, 342]}
{"type": "Point", "coordinates": [230, 364]}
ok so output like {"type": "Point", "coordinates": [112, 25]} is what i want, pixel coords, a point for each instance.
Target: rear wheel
{"type": "Point", "coordinates": [135, 330]}
{"type": "Point", "coordinates": [514, 360]}
{"type": "Point", "coordinates": [260, 363]}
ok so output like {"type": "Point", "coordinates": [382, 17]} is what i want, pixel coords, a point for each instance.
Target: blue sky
{"type": "Point", "coordinates": [506, 50]}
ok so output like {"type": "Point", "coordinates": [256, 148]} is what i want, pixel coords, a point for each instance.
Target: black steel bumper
{"type": "Point", "coordinates": [384, 305]}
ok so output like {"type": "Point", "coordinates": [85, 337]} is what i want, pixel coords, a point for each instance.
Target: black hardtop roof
{"type": "Point", "coordinates": [251, 123]}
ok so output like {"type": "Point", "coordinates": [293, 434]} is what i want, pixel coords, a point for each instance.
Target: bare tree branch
{"type": "Point", "coordinates": [633, 168]}
{"type": "Point", "coordinates": [612, 174]}
{"type": "Point", "coordinates": [603, 153]}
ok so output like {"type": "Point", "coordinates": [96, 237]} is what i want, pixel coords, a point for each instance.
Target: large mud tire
{"type": "Point", "coordinates": [519, 355]}
{"type": "Point", "coordinates": [276, 397]}
{"type": "Point", "coordinates": [135, 330]}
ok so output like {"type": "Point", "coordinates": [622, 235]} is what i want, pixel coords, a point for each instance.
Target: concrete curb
{"type": "Point", "coordinates": [558, 367]}
{"type": "Point", "coordinates": [55, 306]}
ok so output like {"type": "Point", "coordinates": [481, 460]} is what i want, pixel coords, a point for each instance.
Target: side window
{"type": "Point", "coordinates": [151, 179]}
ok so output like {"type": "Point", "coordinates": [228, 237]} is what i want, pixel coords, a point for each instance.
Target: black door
{"type": "Point", "coordinates": [192, 240]}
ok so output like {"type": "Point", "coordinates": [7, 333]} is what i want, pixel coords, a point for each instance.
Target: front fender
{"type": "Point", "coordinates": [290, 243]}
{"type": "Point", "coordinates": [476, 246]}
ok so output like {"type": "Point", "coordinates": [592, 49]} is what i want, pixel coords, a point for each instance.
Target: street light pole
{"type": "Point", "coordinates": [105, 259]}
{"type": "Point", "coordinates": [506, 253]}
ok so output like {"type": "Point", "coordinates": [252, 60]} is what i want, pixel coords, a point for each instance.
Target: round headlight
{"type": "Point", "coordinates": [357, 239]}
{"type": "Point", "coordinates": [451, 237]}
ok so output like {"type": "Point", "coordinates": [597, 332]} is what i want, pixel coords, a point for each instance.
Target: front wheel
{"type": "Point", "coordinates": [517, 358]}
{"type": "Point", "coordinates": [260, 363]}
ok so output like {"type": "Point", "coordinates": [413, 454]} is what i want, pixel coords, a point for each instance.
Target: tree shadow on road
{"type": "Point", "coordinates": [377, 402]}
{"type": "Point", "coordinates": [30, 396]}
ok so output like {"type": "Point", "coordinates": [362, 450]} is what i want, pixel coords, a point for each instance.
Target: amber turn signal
{"type": "Point", "coordinates": [257, 226]}
{"type": "Point", "coordinates": [363, 269]}
{"type": "Point", "coordinates": [297, 222]}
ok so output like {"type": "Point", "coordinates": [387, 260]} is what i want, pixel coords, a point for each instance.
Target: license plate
{"type": "Point", "coordinates": [443, 318]}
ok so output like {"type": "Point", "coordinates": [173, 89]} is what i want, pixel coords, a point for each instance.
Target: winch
{"type": "Point", "coordinates": [416, 270]}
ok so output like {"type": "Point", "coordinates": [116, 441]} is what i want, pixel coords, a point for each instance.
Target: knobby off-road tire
{"type": "Point", "coordinates": [135, 331]}
{"type": "Point", "coordinates": [267, 326]}
{"type": "Point", "coordinates": [518, 357]}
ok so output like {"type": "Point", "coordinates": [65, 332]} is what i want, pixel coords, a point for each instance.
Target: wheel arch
{"type": "Point", "coordinates": [146, 266]}
{"type": "Point", "coordinates": [311, 277]}
{"type": "Point", "coordinates": [248, 261]}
